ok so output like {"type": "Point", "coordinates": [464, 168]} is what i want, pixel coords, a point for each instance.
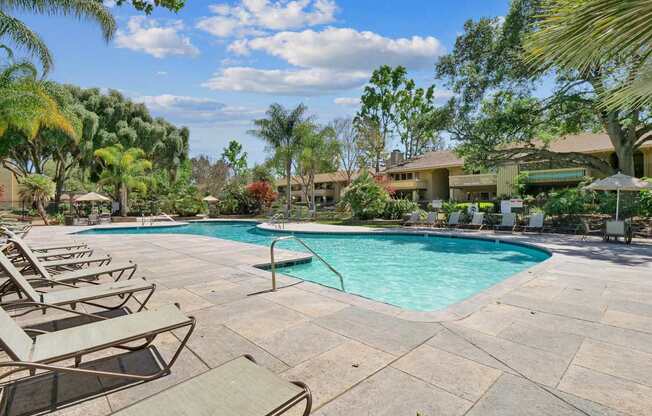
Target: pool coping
{"type": "Point", "coordinates": [455, 311]}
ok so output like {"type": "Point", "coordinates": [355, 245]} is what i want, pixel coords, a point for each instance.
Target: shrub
{"type": "Point", "coordinates": [365, 197]}
{"type": "Point", "coordinates": [645, 204]}
{"type": "Point", "coordinates": [234, 199]}
{"type": "Point", "coordinates": [449, 207]}
{"type": "Point", "coordinates": [396, 209]}
{"type": "Point", "coordinates": [261, 196]}
{"type": "Point", "coordinates": [571, 201]}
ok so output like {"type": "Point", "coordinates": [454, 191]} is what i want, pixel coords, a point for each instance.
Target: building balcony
{"type": "Point", "coordinates": [551, 176]}
{"type": "Point", "coordinates": [408, 184]}
{"type": "Point", "coordinates": [466, 181]}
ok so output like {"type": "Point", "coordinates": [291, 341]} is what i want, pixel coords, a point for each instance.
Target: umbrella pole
{"type": "Point", "coordinates": [617, 203]}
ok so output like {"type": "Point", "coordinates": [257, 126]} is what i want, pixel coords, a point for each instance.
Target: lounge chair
{"type": "Point", "coordinates": [45, 248]}
{"type": "Point", "coordinates": [124, 290]}
{"type": "Point", "coordinates": [414, 219]}
{"type": "Point", "coordinates": [431, 219]}
{"type": "Point", "coordinates": [239, 387]}
{"type": "Point", "coordinates": [535, 223]}
{"type": "Point", "coordinates": [507, 222]}
{"type": "Point", "coordinates": [454, 219]}
{"type": "Point", "coordinates": [477, 222]}
{"type": "Point", "coordinates": [45, 349]}
{"type": "Point", "coordinates": [616, 229]}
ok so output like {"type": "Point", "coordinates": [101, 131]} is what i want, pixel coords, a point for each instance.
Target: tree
{"type": "Point", "coordinates": [580, 34]}
{"type": "Point", "coordinates": [125, 170]}
{"type": "Point", "coordinates": [280, 130]}
{"type": "Point", "coordinates": [209, 177]}
{"type": "Point", "coordinates": [366, 197]}
{"type": "Point", "coordinates": [370, 143]}
{"type": "Point", "coordinates": [347, 136]}
{"type": "Point", "coordinates": [263, 172]}
{"type": "Point", "coordinates": [319, 152]}
{"type": "Point", "coordinates": [38, 189]}
{"type": "Point", "coordinates": [379, 101]}
{"type": "Point", "coordinates": [235, 158]}
{"type": "Point", "coordinates": [497, 90]}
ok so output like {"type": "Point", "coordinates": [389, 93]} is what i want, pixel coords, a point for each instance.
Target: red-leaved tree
{"type": "Point", "coordinates": [261, 195]}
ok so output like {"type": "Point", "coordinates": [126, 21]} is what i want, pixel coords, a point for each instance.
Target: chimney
{"type": "Point", "coordinates": [395, 158]}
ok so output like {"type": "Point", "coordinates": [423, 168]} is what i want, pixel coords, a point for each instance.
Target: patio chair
{"type": "Point", "coordinates": [535, 223]}
{"type": "Point", "coordinates": [414, 219]}
{"type": "Point", "coordinates": [47, 348]}
{"type": "Point", "coordinates": [454, 219]}
{"type": "Point", "coordinates": [239, 387]}
{"type": "Point", "coordinates": [507, 222]}
{"type": "Point", "coordinates": [477, 222]}
{"type": "Point", "coordinates": [105, 218]}
{"type": "Point", "coordinates": [45, 248]}
{"type": "Point", "coordinates": [93, 219]}
{"type": "Point", "coordinates": [617, 229]}
{"type": "Point", "coordinates": [124, 290]}
{"type": "Point", "coordinates": [431, 219]}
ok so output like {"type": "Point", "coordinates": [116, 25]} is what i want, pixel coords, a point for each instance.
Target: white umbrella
{"type": "Point", "coordinates": [620, 182]}
{"type": "Point", "coordinates": [210, 198]}
{"type": "Point", "coordinates": [92, 197]}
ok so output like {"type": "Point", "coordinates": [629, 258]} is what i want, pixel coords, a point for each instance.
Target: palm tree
{"type": "Point", "coordinates": [581, 34]}
{"type": "Point", "coordinates": [125, 170]}
{"type": "Point", "coordinates": [18, 32]}
{"type": "Point", "coordinates": [281, 131]}
{"type": "Point", "coordinates": [320, 152]}
{"type": "Point", "coordinates": [38, 189]}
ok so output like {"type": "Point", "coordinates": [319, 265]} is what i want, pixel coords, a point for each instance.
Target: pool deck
{"type": "Point", "coordinates": [571, 336]}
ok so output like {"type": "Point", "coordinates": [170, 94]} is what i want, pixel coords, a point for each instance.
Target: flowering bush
{"type": "Point", "coordinates": [261, 196]}
{"type": "Point", "coordinates": [366, 197]}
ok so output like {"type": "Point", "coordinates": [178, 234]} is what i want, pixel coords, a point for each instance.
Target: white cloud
{"type": "Point", "coordinates": [155, 38]}
{"type": "Point", "coordinates": [344, 48]}
{"type": "Point", "coordinates": [347, 101]}
{"type": "Point", "coordinates": [285, 82]}
{"type": "Point", "coordinates": [193, 110]}
{"type": "Point", "coordinates": [253, 17]}
{"type": "Point", "coordinates": [161, 73]}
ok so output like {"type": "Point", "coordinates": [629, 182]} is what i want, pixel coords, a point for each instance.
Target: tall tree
{"type": "Point", "coordinates": [235, 158]}
{"type": "Point", "coordinates": [125, 170]}
{"type": "Point", "coordinates": [497, 90]}
{"type": "Point", "coordinates": [347, 136]}
{"type": "Point", "coordinates": [281, 131]}
{"type": "Point", "coordinates": [370, 142]}
{"type": "Point", "coordinates": [380, 99]}
{"type": "Point", "coordinates": [319, 152]}
{"type": "Point", "coordinates": [209, 177]}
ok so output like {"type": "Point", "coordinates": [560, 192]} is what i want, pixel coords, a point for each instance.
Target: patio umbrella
{"type": "Point", "coordinates": [92, 197]}
{"type": "Point", "coordinates": [618, 183]}
{"type": "Point", "coordinates": [210, 198]}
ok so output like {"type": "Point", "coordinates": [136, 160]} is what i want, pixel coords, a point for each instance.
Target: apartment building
{"type": "Point", "coordinates": [441, 174]}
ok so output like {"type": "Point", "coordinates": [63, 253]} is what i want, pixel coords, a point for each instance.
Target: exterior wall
{"type": "Point", "coordinates": [439, 189]}
{"type": "Point", "coordinates": [505, 177]}
{"type": "Point", "coordinates": [9, 197]}
{"type": "Point", "coordinates": [647, 154]}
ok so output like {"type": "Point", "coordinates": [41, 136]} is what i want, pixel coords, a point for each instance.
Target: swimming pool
{"type": "Point", "coordinates": [416, 272]}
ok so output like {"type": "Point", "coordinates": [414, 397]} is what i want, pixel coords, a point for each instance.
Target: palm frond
{"type": "Point", "coordinates": [24, 37]}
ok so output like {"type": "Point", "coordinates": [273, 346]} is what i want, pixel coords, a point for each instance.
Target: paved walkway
{"type": "Point", "coordinates": [573, 336]}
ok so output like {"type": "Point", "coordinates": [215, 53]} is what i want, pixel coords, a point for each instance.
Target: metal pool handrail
{"type": "Point", "coordinates": [314, 253]}
{"type": "Point", "coordinates": [275, 220]}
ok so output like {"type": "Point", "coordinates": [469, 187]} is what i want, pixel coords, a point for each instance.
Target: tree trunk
{"type": "Point", "coordinates": [623, 146]}
{"type": "Point", "coordinates": [59, 181]}
{"type": "Point", "coordinates": [124, 209]}
{"type": "Point", "coordinates": [288, 190]}
{"type": "Point", "coordinates": [41, 211]}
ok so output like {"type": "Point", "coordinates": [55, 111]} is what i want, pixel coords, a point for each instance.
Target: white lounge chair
{"type": "Point", "coordinates": [454, 219]}
{"type": "Point", "coordinates": [415, 218]}
{"type": "Point", "coordinates": [535, 223]}
{"type": "Point", "coordinates": [477, 222]}
{"type": "Point", "coordinates": [431, 219]}
{"type": "Point", "coordinates": [507, 222]}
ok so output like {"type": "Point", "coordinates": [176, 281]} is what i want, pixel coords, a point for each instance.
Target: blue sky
{"type": "Point", "coordinates": [215, 66]}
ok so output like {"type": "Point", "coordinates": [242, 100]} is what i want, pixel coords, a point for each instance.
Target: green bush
{"type": "Point", "coordinates": [571, 201]}
{"type": "Point", "coordinates": [396, 209]}
{"type": "Point", "coordinates": [449, 207]}
{"type": "Point", "coordinates": [365, 197]}
{"type": "Point", "coordinates": [234, 199]}
{"type": "Point", "coordinates": [645, 204]}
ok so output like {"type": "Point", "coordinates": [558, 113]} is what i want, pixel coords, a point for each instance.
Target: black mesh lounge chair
{"type": "Point", "coordinates": [46, 349]}
{"type": "Point", "coordinates": [89, 295]}
{"type": "Point", "coordinates": [239, 387]}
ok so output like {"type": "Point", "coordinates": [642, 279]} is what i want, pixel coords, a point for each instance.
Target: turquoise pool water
{"type": "Point", "coordinates": [410, 271]}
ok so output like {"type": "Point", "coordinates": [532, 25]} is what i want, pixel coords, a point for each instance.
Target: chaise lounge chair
{"type": "Point", "coordinates": [123, 290]}
{"type": "Point", "coordinates": [45, 349]}
{"type": "Point", "coordinates": [431, 219]}
{"type": "Point", "coordinates": [46, 248]}
{"type": "Point", "coordinates": [454, 219]}
{"type": "Point", "coordinates": [507, 222]}
{"type": "Point", "coordinates": [239, 387]}
{"type": "Point", "coordinates": [477, 222]}
{"type": "Point", "coordinates": [414, 219]}
{"type": "Point", "coordinates": [535, 223]}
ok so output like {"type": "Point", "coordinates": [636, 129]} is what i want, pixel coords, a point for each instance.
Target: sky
{"type": "Point", "coordinates": [216, 66]}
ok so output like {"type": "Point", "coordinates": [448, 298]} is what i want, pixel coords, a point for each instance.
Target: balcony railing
{"type": "Point", "coordinates": [461, 181]}
{"type": "Point", "coordinates": [557, 175]}
{"type": "Point", "coordinates": [408, 184]}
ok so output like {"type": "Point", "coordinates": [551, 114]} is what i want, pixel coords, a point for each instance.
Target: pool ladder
{"type": "Point", "coordinates": [314, 253]}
